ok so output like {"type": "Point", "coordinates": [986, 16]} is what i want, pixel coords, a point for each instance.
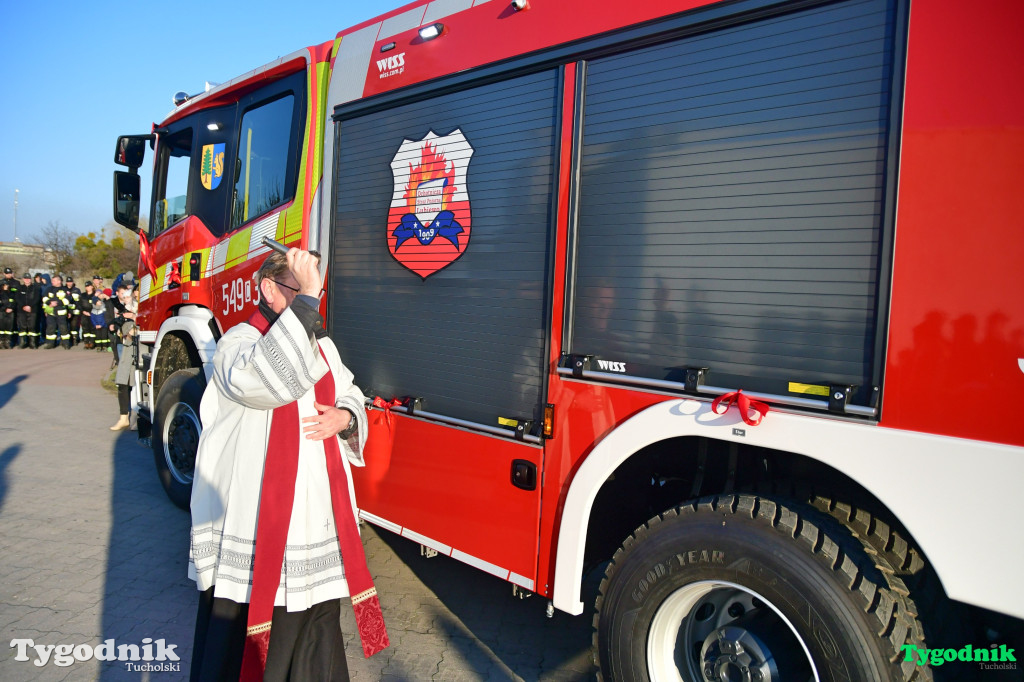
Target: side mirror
{"type": "Point", "coordinates": [127, 188]}
{"type": "Point", "coordinates": [131, 150]}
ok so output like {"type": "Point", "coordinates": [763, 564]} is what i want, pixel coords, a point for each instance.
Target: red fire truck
{"type": "Point", "coordinates": [721, 299]}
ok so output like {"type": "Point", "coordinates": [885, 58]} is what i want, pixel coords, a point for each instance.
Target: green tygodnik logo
{"type": "Point", "coordinates": [967, 654]}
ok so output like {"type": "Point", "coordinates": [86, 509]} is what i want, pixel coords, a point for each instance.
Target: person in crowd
{"type": "Point", "coordinates": [85, 311]}
{"type": "Point", "coordinates": [55, 305]}
{"type": "Point", "coordinates": [110, 314]}
{"type": "Point", "coordinates": [27, 302]}
{"type": "Point", "coordinates": [42, 281]}
{"type": "Point", "coordinates": [74, 310]}
{"type": "Point", "coordinates": [8, 292]}
{"type": "Point", "coordinates": [271, 502]}
{"type": "Point", "coordinates": [116, 307]}
{"type": "Point", "coordinates": [100, 323]}
{"type": "Point", "coordinates": [126, 332]}
{"type": "Point", "coordinates": [127, 276]}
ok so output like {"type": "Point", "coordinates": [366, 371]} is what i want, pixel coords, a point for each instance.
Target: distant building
{"type": "Point", "coordinates": [21, 250]}
{"type": "Point", "coordinates": [23, 257]}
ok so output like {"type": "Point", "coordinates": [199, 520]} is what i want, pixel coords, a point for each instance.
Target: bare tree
{"type": "Point", "coordinates": [59, 242]}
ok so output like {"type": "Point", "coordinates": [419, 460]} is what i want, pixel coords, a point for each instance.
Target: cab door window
{"type": "Point", "coordinates": [213, 178]}
{"type": "Point", "coordinates": [265, 170]}
{"type": "Point", "coordinates": [174, 166]}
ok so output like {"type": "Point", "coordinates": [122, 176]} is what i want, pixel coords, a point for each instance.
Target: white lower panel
{"type": "Point", "coordinates": [427, 542]}
{"type": "Point", "coordinates": [481, 564]}
{"type": "Point", "coordinates": [383, 523]}
{"type": "Point", "coordinates": [520, 580]}
{"type": "Point", "coordinates": [442, 548]}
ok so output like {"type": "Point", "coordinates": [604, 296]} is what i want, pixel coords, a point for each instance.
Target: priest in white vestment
{"type": "Point", "coordinates": [255, 375]}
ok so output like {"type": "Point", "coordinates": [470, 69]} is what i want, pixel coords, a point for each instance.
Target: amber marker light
{"type": "Point", "coordinates": [549, 420]}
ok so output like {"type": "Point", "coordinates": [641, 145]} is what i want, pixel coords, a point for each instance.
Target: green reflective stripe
{"type": "Point", "coordinates": [238, 247]}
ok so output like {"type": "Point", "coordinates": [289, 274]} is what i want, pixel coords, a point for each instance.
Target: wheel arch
{"type": "Point", "coordinates": [858, 454]}
{"type": "Point", "coordinates": [187, 339]}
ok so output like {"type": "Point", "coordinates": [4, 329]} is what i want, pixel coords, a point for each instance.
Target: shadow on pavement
{"type": "Point", "coordinates": [494, 631]}
{"type": "Point", "coordinates": [10, 389]}
{"type": "Point", "coordinates": [6, 457]}
{"type": "Point", "coordinates": [147, 592]}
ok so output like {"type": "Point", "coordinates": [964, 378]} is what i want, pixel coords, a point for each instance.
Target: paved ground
{"type": "Point", "coordinates": [92, 550]}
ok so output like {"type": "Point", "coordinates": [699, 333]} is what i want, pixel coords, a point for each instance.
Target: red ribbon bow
{"type": "Point", "coordinates": [386, 406]}
{"type": "Point", "coordinates": [745, 404]}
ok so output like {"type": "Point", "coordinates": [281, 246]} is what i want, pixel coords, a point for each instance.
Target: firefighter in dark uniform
{"type": "Point", "coordinates": [8, 289]}
{"type": "Point", "coordinates": [15, 292]}
{"type": "Point", "coordinates": [85, 315]}
{"type": "Point", "coordinates": [56, 305]}
{"type": "Point", "coordinates": [27, 302]}
{"type": "Point", "coordinates": [43, 285]}
{"type": "Point", "coordinates": [74, 310]}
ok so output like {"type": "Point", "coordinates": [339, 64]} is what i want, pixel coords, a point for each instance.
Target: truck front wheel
{"type": "Point", "coordinates": [176, 429]}
{"type": "Point", "coordinates": [743, 588]}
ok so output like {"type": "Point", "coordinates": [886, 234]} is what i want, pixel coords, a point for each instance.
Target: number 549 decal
{"type": "Point", "coordinates": [236, 294]}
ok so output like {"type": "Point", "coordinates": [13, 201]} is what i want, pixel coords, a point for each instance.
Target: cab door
{"type": "Point", "coordinates": [189, 206]}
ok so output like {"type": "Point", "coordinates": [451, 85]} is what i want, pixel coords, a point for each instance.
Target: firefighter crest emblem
{"type": "Point", "coordinates": [212, 168]}
{"type": "Point", "coordinates": [429, 219]}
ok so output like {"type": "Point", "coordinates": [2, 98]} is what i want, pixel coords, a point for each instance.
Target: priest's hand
{"type": "Point", "coordinates": [330, 422]}
{"type": "Point", "coordinates": [304, 267]}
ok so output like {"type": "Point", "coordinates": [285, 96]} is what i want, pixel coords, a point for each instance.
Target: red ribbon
{"type": "Point", "coordinates": [745, 405]}
{"type": "Point", "coordinates": [386, 406]}
{"type": "Point", "coordinates": [146, 255]}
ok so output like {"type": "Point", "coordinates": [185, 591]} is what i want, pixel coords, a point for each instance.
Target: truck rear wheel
{"type": "Point", "coordinates": [176, 429]}
{"type": "Point", "coordinates": [743, 588]}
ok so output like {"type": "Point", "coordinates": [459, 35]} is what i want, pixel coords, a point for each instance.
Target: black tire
{"type": "Point", "coordinates": [176, 429]}
{"type": "Point", "coordinates": [741, 587]}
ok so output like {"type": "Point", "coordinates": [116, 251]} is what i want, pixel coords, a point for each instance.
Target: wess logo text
{"type": "Point", "coordinates": [391, 66]}
{"type": "Point", "coordinates": [608, 366]}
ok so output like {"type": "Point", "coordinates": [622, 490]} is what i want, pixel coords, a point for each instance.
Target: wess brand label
{"type": "Point", "coordinates": [391, 66]}
{"type": "Point", "coordinates": [609, 366]}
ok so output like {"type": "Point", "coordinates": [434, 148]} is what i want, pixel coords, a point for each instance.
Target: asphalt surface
{"type": "Point", "coordinates": [92, 550]}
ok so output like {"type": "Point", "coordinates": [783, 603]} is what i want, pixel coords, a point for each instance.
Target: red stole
{"type": "Point", "coordinates": [276, 498]}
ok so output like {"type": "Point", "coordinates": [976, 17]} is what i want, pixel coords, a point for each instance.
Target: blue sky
{"type": "Point", "coordinates": [75, 75]}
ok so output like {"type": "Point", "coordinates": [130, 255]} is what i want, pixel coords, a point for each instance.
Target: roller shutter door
{"type": "Point", "coordinates": [731, 201]}
{"type": "Point", "coordinates": [469, 338]}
